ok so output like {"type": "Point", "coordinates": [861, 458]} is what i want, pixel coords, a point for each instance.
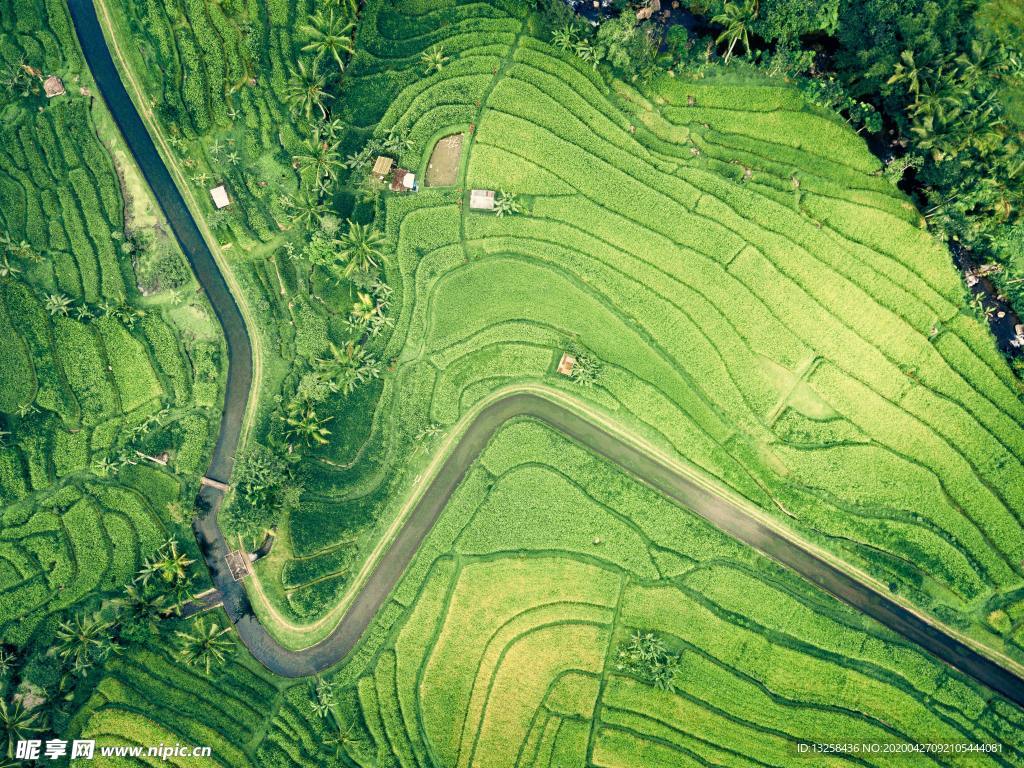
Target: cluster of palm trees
{"type": "Point", "coordinates": [646, 656]}
{"type": "Point", "coordinates": [955, 117]}
{"type": "Point", "coordinates": [60, 305]}
{"type": "Point", "coordinates": [329, 39]}
{"type": "Point", "coordinates": [736, 20]}
{"type": "Point", "coordinates": [89, 638]}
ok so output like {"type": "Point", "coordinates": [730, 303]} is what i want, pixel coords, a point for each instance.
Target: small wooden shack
{"type": "Point", "coordinates": [220, 197]}
{"type": "Point", "coordinates": [481, 199]}
{"type": "Point", "coordinates": [566, 364]}
{"type": "Point", "coordinates": [403, 180]}
{"type": "Point", "coordinates": [382, 166]}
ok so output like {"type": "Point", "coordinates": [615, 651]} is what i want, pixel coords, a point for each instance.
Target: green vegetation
{"type": "Point", "coordinates": [764, 305]}
{"type": "Point", "coordinates": [561, 614]}
{"type": "Point", "coordinates": [111, 379]}
{"type": "Point", "coordinates": [695, 219]}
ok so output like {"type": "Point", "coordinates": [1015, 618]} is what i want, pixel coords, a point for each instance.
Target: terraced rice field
{"type": "Point", "coordinates": [763, 303]}
{"type": "Point", "coordinates": [107, 375]}
{"type": "Point", "coordinates": [242, 713]}
{"type": "Point", "coordinates": [547, 559]}
{"type": "Point", "coordinates": [218, 72]}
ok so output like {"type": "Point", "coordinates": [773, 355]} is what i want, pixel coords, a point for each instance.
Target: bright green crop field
{"type": "Point", "coordinates": [502, 644]}
{"type": "Point", "coordinates": [762, 302]}
{"type": "Point", "coordinates": [748, 258]}
{"type": "Point", "coordinates": [109, 354]}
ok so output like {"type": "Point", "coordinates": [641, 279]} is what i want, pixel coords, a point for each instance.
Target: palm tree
{"type": "Point", "coordinates": [205, 645]}
{"type": "Point", "coordinates": [360, 248]}
{"type": "Point", "coordinates": [322, 159]}
{"type": "Point", "coordinates": [7, 267]}
{"type": "Point", "coordinates": [17, 723]}
{"type": "Point", "coordinates": [145, 606]}
{"type": "Point", "coordinates": [6, 661]}
{"type": "Point", "coordinates": [364, 309]}
{"type": "Point", "coordinates": [305, 210]}
{"type": "Point", "coordinates": [736, 19]}
{"type": "Point", "coordinates": [58, 304]}
{"type": "Point", "coordinates": [907, 71]}
{"type": "Point", "coordinates": [323, 703]}
{"type": "Point", "coordinates": [348, 367]}
{"type": "Point", "coordinates": [305, 425]}
{"type": "Point", "coordinates": [434, 59]}
{"type": "Point", "coordinates": [81, 640]}
{"type": "Point", "coordinates": [564, 38]}
{"type": "Point", "coordinates": [168, 563]}
{"type": "Point", "coordinates": [306, 89]}
{"type": "Point", "coordinates": [329, 34]}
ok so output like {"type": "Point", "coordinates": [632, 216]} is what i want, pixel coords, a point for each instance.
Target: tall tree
{"type": "Point", "coordinates": [205, 646]}
{"type": "Point", "coordinates": [737, 20]}
{"type": "Point", "coordinates": [306, 89]}
{"type": "Point", "coordinates": [329, 35]}
{"type": "Point", "coordinates": [360, 248]}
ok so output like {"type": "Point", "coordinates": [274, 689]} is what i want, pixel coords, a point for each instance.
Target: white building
{"type": "Point", "coordinates": [220, 197]}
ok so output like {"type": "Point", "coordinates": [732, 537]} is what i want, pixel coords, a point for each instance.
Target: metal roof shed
{"type": "Point", "coordinates": [481, 199]}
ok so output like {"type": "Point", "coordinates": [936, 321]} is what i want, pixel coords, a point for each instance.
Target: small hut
{"type": "Point", "coordinates": [481, 199]}
{"type": "Point", "coordinates": [566, 364]}
{"type": "Point", "coordinates": [382, 166]}
{"type": "Point", "coordinates": [403, 180]}
{"type": "Point", "coordinates": [53, 86]}
{"type": "Point", "coordinates": [220, 197]}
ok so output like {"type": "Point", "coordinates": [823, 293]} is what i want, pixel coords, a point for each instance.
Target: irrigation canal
{"type": "Point", "coordinates": [720, 511]}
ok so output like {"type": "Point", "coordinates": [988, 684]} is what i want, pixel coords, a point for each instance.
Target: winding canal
{"type": "Point", "coordinates": [727, 515]}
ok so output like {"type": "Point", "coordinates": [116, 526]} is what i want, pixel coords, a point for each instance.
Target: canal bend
{"type": "Point", "coordinates": [725, 514]}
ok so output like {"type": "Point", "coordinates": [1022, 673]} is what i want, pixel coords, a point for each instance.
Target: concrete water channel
{"type": "Point", "coordinates": [646, 467]}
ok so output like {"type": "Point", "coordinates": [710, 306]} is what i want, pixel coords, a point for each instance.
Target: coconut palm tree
{"type": "Point", "coordinates": [306, 90]}
{"type": "Point", "coordinates": [205, 645]}
{"type": "Point", "coordinates": [305, 425]}
{"type": "Point", "coordinates": [348, 367]}
{"type": "Point", "coordinates": [360, 248]}
{"type": "Point", "coordinates": [145, 605]}
{"type": "Point", "coordinates": [322, 160]}
{"type": "Point", "coordinates": [80, 640]}
{"type": "Point", "coordinates": [18, 723]}
{"type": "Point", "coordinates": [58, 304]}
{"type": "Point", "coordinates": [305, 210]}
{"type": "Point", "coordinates": [434, 59]}
{"type": "Point", "coordinates": [168, 563]}
{"type": "Point", "coordinates": [736, 19]}
{"type": "Point", "coordinates": [329, 35]}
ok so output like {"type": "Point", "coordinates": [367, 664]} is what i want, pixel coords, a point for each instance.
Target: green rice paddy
{"type": "Point", "coordinates": [763, 303]}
